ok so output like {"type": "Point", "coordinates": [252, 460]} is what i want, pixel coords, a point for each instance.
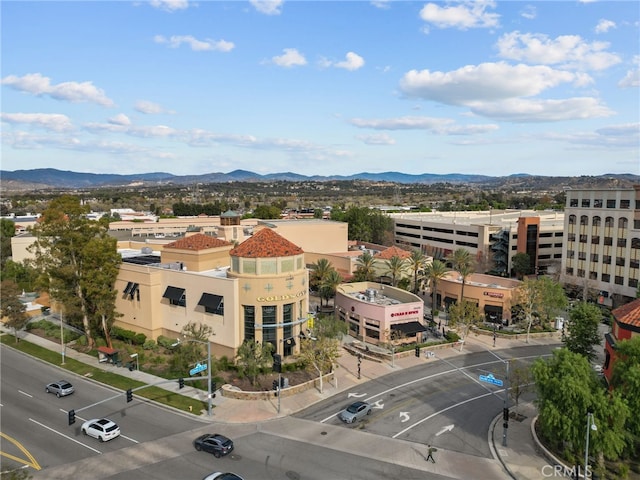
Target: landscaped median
{"type": "Point", "coordinates": [156, 394]}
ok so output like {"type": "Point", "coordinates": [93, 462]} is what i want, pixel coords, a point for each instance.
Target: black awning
{"type": "Point", "coordinates": [127, 288]}
{"type": "Point", "coordinates": [133, 290]}
{"type": "Point", "coordinates": [409, 327]}
{"type": "Point", "coordinates": [173, 293]}
{"type": "Point", "coordinates": [211, 301]}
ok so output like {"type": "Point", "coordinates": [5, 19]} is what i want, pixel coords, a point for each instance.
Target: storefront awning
{"type": "Point", "coordinates": [173, 293]}
{"type": "Point", "coordinates": [211, 301]}
{"type": "Point", "coordinates": [409, 327]}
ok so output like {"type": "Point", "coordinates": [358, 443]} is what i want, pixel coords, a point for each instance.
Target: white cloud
{"type": "Point", "coordinates": [485, 82]}
{"type": "Point", "coordinates": [170, 5]}
{"type": "Point", "coordinates": [48, 121]}
{"type": "Point", "coordinates": [290, 58]}
{"type": "Point", "coordinates": [604, 26]}
{"type": "Point", "coordinates": [196, 45]}
{"type": "Point", "coordinates": [568, 51]}
{"type": "Point", "coordinates": [632, 78]}
{"type": "Point", "coordinates": [352, 62]}
{"type": "Point", "coordinates": [150, 108]}
{"type": "Point", "coordinates": [376, 139]}
{"type": "Point", "coordinates": [74, 92]}
{"type": "Point", "coordinates": [529, 12]}
{"type": "Point", "coordinates": [443, 126]}
{"type": "Point", "coordinates": [381, 4]}
{"type": "Point", "coordinates": [120, 119]}
{"type": "Point", "coordinates": [530, 111]}
{"type": "Point", "coordinates": [268, 7]}
{"type": "Point", "coordinates": [465, 15]}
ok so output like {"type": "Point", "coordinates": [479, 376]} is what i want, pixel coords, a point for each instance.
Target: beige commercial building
{"type": "Point", "coordinates": [602, 245]}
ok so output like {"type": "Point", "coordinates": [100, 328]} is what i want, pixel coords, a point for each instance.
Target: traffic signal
{"type": "Point", "coordinates": [505, 414]}
{"type": "Point", "coordinates": [505, 424]}
{"type": "Point", "coordinates": [181, 383]}
{"type": "Point", "coordinates": [214, 387]}
{"type": "Point", "coordinates": [418, 352]}
{"type": "Point", "coordinates": [129, 395]}
{"type": "Point", "coordinates": [72, 417]}
{"type": "Point", "coordinates": [277, 363]}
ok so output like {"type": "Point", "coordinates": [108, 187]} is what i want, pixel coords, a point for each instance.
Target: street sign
{"type": "Point", "coordinates": [200, 367]}
{"type": "Point", "coordinates": [491, 379]}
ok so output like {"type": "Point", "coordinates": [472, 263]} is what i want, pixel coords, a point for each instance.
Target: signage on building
{"type": "Point", "coordinates": [286, 296]}
{"type": "Point", "coordinates": [402, 314]}
{"type": "Point", "coordinates": [494, 294]}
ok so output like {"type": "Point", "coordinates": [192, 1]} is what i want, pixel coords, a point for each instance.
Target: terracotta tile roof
{"type": "Point", "coordinates": [266, 243]}
{"type": "Point", "coordinates": [628, 314]}
{"type": "Point", "coordinates": [198, 241]}
{"type": "Point", "coordinates": [392, 252]}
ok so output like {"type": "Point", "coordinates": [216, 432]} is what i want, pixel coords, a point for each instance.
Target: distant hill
{"type": "Point", "coordinates": [60, 179]}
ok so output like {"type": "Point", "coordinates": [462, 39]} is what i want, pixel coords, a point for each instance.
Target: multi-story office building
{"type": "Point", "coordinates": [602, 244]}
{"type": "Point", "coordinates": [493, 237]}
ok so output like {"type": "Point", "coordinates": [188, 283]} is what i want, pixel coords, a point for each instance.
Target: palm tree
{"type": "Point", "coordinates": [435, 271]}
{"type": "Point", "coordinates": [416, 264]}
{"type": "Point", "coordinates": [319, 270]}
{"type": "Point", "coordinates": [462, 262]}
{"type": "Point", "coordinates": [329, 285]}
{"type": "Point", "coordinates": [395, 268]}
{"type": "Point", "coordinates": [366, 267]}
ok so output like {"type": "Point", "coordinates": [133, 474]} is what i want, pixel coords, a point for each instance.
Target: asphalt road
{"type": "Point", "coordinates": [443, 403]}
{"type": "Point", "coordinates": [38, 421]}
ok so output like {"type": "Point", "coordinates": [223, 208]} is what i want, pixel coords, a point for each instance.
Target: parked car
{"type": "Point", "coordinates": [101, 428]}
{"type": "Point", "coordinates": [214, 443]}
{"type": "Point", "coordinates": [222, 476]}
{"type": "Point", "coordinates": [354, 412]}
{"type": "Point", "coordinates": [61, 388]}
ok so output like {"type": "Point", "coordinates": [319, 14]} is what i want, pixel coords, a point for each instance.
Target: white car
{"type": "Point", "coordinates": [101, 428]}
{"type": "Point", "coordinates": [222, 476]}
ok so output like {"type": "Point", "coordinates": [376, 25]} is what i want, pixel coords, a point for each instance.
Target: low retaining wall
{"type": "Point", "coordinates": [232, 392]}
{"type": "Point", "coordinates": [515, 336]}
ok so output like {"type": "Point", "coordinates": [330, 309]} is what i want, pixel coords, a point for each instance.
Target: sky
{"type": "Point", "coordinates": [321, 87]}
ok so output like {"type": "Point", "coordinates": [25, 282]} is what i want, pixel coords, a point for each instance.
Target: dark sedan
{"type": "Point", "coordinates": [214, 443]}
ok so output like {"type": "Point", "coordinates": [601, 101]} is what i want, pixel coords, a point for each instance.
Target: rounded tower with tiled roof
{"type": "Point", "coordinates": [273, 290]}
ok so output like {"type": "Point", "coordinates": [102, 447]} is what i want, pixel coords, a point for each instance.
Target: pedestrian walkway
{"type": "Point", "coordinates": [519, 458]}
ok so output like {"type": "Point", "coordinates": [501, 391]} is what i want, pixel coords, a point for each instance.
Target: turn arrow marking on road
{"type": "Point", "coordinates": [404, 416]}
{"type": "Point", "coordinates": [357, 395]}
{"type": "Point", "coordinates": [448, 428]}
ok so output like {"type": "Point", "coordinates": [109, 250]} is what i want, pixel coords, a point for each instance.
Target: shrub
{"type": "Point", "coordinates": [165, 342]}
{"type": "Point", "coordinates": [139, 339]}
{"type": "Point", "coordinates": [150, 344]}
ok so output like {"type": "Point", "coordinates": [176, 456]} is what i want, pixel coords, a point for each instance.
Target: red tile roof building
{"type": "Point", "coordinates": [626, 324]}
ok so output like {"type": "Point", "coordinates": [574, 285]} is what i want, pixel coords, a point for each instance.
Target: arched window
{"type": "Point", "coordinates": [572, 219]}
{"type": "Point", "coordinates": [623, 222]}
{"type": "Point", "coordinates": [608, 222]}
{"type": "Point", "coordinates": [584, 220]}
{"type": "Point", "coordinates": [595, 221]}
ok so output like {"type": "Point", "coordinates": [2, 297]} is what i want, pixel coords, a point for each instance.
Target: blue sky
{"type": "Point", "coordinates": [321, 88]}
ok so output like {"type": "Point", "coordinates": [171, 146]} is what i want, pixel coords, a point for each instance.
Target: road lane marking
{"type": "Point", "coordinates": [65, 436]}
{"type": "Point", "coordinates": [438, 413]}
{"type": "Point", "coordinates": [32, 461]}
{"type": "Point", "coordinates": [25, 394]}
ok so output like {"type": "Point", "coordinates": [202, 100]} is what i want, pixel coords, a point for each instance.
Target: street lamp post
{"type": "Point", "coordinates": [590, 426]}
{"type": "Point", "coordinates": [62, 352]}
{"type": "Point", "coordinates": [209, 392]}
{"type": "Point", "coordinates": [135, 355]}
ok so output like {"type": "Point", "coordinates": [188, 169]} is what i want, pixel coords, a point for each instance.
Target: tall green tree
{"type": "Point", "coordinates": [191, 348]}
{"type": "Point", "coordinates": [329, 285]}
{"type": "Point", "coordinates": [253, 358]}
{"type": "Point", "coordinates": [464, 315]}
{"type": "Point", "coordinates": [539, 300]}
{"type": "Point", "coordinates": [395, 267]}
{"type": "Point", "coordinates": [521, 264]}
{"type": "Point", "coordinates": [12, 308]}
{"type": "Point", "coordinates": [319, 271]}
{"type": "Point", "coordinates": [365, 267]}
{"type": "Point", "coordinates": [416, 265]}
{"type": "Point", "coordinates": [567, 389]}
{"type": "Point", "coordinates": [435, 272]}
{"type": "Point", "coordinates": [462, 262]}
{"type": "Point", "coordinates": [7, 230]}
{"type": "Point", "coordinates": [625, 380]}
{"type": "Point", "coordinates": [582, 330]}
{"type": "Point", "coordinates": [320, 352]}
{"type": "Point", "coordinates": [66, 241]}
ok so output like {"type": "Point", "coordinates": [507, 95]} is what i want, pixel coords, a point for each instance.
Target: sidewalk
{"type": "Point", "coordinates": [520, 458]}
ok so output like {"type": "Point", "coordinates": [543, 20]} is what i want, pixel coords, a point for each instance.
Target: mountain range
{"type": "Point", "coordinates": [53, 178]}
